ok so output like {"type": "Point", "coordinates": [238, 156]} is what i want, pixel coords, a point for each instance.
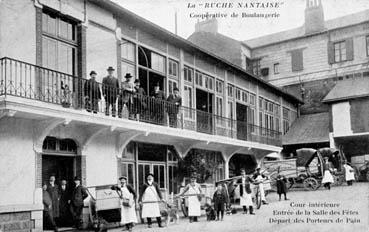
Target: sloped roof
{"type": "Point", "coordinates": [331, 24]}
{"type": "Point", "coordinates": [310, 128]}
{"type": "Point", "coordinates": [348, 89]}
{"type": "Point", "coordinates": [221, 45]}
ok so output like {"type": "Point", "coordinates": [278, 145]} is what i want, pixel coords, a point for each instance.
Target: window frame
{"type": "Point", "coordinates": [367, 45]}
{"type": "Point", "coordinates": [276, 68]}
{"type": "Point", "coordinates": [340, 43]}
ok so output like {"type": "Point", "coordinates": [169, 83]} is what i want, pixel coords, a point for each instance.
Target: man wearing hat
{"type": "Point", "coordinates": [194, 198]}
{"type": "Point", "coordinates": [110, 90]}
{"type": "Point", "coordinates": [150, 196]}
{"type": "Point", "coordinates": [259, 177]}
{"type": "Point", "coordinates": [174, 102]}
{"type": "Point", "coordinates": [79, 193]}
{"type": "Point", "coordinates": [139, 101]}
{"type": "Point", "coordinates": [64, 212]}
{"type": "Point", "coordinates": [125, 97]}
{"type": "Point", "coordinates": [92, 93]}
{"type": "Point", "coordinates": [158, 111]}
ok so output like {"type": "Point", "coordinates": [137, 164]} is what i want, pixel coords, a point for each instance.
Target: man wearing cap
{"type": "Point", "coordinates": [245, 192]}
{"type": "Point", "coordinates": [139, 101]}
{"type": "Point", "coordinates": [150, 196]}
{"type": "Point", "coordinates": [259, 177]}
{"type": "Point", "coordinates": [174, 102]}
{"type": "Point", "coordinates": [110, 91]}
{"type": "Point", "coordinates": [78, 195]}
{"type": "Point", "coordinates": [92, 93]}
{"type": "Point", "coordinates": [158, 111]}
{"type": "Point", "coordinates": [125, 97]}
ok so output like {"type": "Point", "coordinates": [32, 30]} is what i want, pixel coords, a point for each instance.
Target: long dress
{"type": "Point", "coordinates": [246, 198]}
{"type": "Point", "coordinates": [150, 209]}
{"type": "Point", "coordinates": [54, 194]}
{"type": "Point", "coordinates": [128, 214]}
{"type": "Point", "coordinates": [194, 205]}
{"type": "Point", "coordinates": [349, 172]}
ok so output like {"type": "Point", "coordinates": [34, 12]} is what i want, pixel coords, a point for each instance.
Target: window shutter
{"type": "Point", "coordinates": [297, 60]}
{"type": "Point", "coordinates": [350, 49]}
{"type": "Point", "coordinates": [330, 52]}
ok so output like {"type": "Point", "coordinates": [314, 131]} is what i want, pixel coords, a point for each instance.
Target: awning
{"type": "Point", "coordinates": [307, 129]}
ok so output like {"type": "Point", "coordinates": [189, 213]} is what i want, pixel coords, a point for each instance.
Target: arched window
{"type": "Point", "coordinates": [55, 145]}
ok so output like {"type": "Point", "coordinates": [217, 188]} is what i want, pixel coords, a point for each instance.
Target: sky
{"type": "Point", "coordinates": [291, 15]}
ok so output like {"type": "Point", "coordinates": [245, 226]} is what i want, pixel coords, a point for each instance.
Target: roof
{"type": "Point", "coordinates": [309, 128]}
{"type": "Point", "coordinates": [348, 89]}
{"type": "Point", "coordinates": [185, 44]}
{"type": "Point", "coordinates": [332, 24]}
{"type": "Point", "coordinates": [221, 45]}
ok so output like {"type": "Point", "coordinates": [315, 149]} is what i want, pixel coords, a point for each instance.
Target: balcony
{"type": "Point", "coordinates": [24, 80]}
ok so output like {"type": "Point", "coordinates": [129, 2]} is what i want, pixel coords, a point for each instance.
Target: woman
{"type": "Point", "coordinates": [128, 210]}
{"type": "Point", "coordinates": [349, 173]}
{"type": "Point", "coordinates": [150, 197]}
{"type": "Point", "coordinates": [194, 199]}
{"type": "Point", "coordinates": [245, 192]}
{"type": "Point", "coordinates": [327, 177]}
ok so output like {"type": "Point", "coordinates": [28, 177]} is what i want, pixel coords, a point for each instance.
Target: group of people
{"type": "Point", "coordinates": [328, 169]}
{"type": "Point", "coordinates": [63, 204]}
{"type": "Point", "coordinates": [130, 94]}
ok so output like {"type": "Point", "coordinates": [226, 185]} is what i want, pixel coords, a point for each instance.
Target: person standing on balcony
{"type": "Point", "coordinates": [92, 93]}
{"type": "Point", "coordinates": [150, 196]}
{"type": "Point", "coordinates": [259, 177]}
{"type": "Point", "coordinates": [174, 102]}
{"type": "Point", "coordinates": [48, 221]}
{"type": "Point", "coordinates": [194, 198]}
{"type": "Point", "coordinates": [125, 97]}
{"type": "Point", "coordinates": [53, 190]}
{"type": "Point", "coordinates": [110, 91]}
{"type": "Point", "coordinates": [245, 192]}
{"type": "Point", "coordinates": [78, 195]}
{"type": "Point", "coordinates": [139, 101]}
{"type": "Point", "coordinates": [158, 111]}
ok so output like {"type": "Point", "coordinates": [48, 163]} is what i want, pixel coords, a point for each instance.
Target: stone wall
{"type": "Point", "coordinates": [19, 221]}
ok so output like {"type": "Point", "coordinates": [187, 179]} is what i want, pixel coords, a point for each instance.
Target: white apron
{"type": "Point", "coordinates": [246, 198]}
{"type": "Point", "coordinates": [349, 172]}
{"type": "Point", "coordinates": [327, 178]}
{"type": "Point", "coordinates": [128, 214]}
{"type": "Point", "coordinates": [194, 205]}
{"type": "Point", "coordinates": [260, 186]}
{"type": "Point", "coordinates": [150, 209]}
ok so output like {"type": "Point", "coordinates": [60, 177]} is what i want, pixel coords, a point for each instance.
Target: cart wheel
{"type": "Point", "coordinates": [311, 184]}
{"type": "Point", "coordinates": [290, 183]}
{"type": "Point", "coordinates": [184, 208]}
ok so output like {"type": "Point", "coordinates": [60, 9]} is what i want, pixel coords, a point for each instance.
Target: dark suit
{"type": "Point", "coordinates": [110, 90]}
{"type": "Point", "coordinates": [65, 216]}
{"type": "Point", "coordinates": [246, 185]}
{"type": "Point", "coordinates": [158, 106]}
{"type": "Point", "coordinates": [174, 102]}
{"type": "Point", "coordinates": [92, 95]}
{"type": "Point", "coordinates": [54, 194]}
{"type": "Point", "coordinates": [139, 102]}
{"type": "Point", "coordinates": [78, 195]}
{"type": "Point", "coordinates": [48, 221]}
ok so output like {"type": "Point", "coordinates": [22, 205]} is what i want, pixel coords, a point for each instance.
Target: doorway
{"type": "Point", "coordinates": [204, 107]}
{"type": "Point", "coordinates": [150, 79]}
{"type": "Point", "coordinates": [62, 167]}
{"type": "Point", "coordinates": [241, 117]}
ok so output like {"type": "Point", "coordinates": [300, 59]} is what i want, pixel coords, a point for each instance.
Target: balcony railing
{"type": "Point", "coordinates": [25, 80]}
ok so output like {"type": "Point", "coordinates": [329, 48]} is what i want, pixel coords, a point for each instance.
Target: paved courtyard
{"type": "Point", "coordinates": [349, 204]}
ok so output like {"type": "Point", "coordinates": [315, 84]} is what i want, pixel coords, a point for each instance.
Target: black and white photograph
{"type": "Point", "coordinates": [184, 115]}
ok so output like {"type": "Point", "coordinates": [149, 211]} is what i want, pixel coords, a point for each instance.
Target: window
{"type": "Point", "coordinates": [367, 45]}
{"type": "Point", "coordinates": [286, 120]}
{"type": "Point", "coordinates": [219, 86]}
{"type": "Point", "coordinates": [173, 68]}
{"type": "Point", "coordinates": [340, 51]}
{"type": "Point", "coordinates": [230, 89]}
{"type": "Point", "coordinates": [157, 62]}
{"type": "Point", "coordinates": [188, 74]}
{"type": "Point", "coordinates": [198, 78]}
{"type": "Point", "coordinates": [209, 82]}
{"type": "Point", "coordinates": [261, 103]}
{"type": "Point", "coordinates": [238, 94]}
{"type": "Point", "coordinates": [252, 119]}
{"type": "Point", "coordinates": [297, 60]}
{"type": "Point", "coordinates": [230, 110]}
{"type": "Point", "coordinates": [219, 103]}
{"type": "Point", "coordinates": [171, 85]}
{"type": "Point", "coordinates": [128, 169]}
{"type": "Point", "coordinates": [187, 101]}
{"type": "Point", "coordinates": [252, 99]}
{"type": "Point", "coordinates": [244, 96]}
{"type": "Point", "coordinates": [276, 68]}
{"type": "Point", "coordinates": [128, 51]}
{"type": "Point", "coordinates": [256, 67]}
{"type": "Point", "coordinates": [277, 124]}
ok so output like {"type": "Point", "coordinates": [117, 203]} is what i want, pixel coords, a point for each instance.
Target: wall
{"type": "Point", "coordinates": [359, 113]}
{"type": "Point", "coordinates": [341, 118]}
{"type": "Point", "coordinates": [18, 30]}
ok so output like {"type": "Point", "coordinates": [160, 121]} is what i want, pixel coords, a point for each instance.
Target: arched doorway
{"type": "Point", "coordinates": [238, 161]}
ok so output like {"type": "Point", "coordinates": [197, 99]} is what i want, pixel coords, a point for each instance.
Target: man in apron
{"type": "Point", "coordinates": [150, 197]}
{"type": "Point", "coordinates": [259, 177]}
{"type": "Point", "coordinates": [128, 209]}
{"type": "Point", "coordinates": [349, 173]}
{"type": "Point", "coordinates": [194, 198]}
{"type": "Point", "coordinates": [245, 192]}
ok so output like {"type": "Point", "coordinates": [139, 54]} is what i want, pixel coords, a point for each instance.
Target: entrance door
{"type": "Point", "coordinates": [241, 117]}
{"type": "Point", "coordinates": [158, 169]}
{"type": "Point", "coordinates": [204, 107]}
{"type": "Point", "coordinates": [60, 166]}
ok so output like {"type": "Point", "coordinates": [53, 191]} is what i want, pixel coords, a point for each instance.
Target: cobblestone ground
{"type": "Point", "coordinates": [355, 198]}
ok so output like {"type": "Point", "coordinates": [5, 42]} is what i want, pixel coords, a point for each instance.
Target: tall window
{"type": "Point", "coordinates": [367, 45]}
{"type": "Point", "coordinates": [198, 78]}
{"type": "Point", "coordinates": [187, 101]}
{"type": "Point", "coordinates": [230, 90]}
{"type": "Point", "coordinates": [340, 51]}
{"type": "Point", "coordinates": [188, 74]}
{"type": "Point", "coordinates": [173, 68]}
{"type": "Point", "coordinates": [219, 102]}
{"type": "Point", "coordinates": [244, 96]}
{"type": "Point", "coordinates": [171, 85]}
{"type": "Point", "coordinates": [256, 67]}
{"type": "Point", "coordinates": [59, 43]}
{"type": "Point", "coordinates": [157, 62]}
{"type": "Point", "coordinates": [238, 94]}
{"type": "Point", "coordinates": [128, 58]}
{"type": "Point", "coordinates": [286, 120]}
{"type": "Point", "coordinates": [276, 68]}
{"type": "Point", "coordinates": [219, 86]}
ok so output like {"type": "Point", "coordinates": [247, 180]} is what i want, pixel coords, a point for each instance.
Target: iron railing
{"type": "Point", "coordinates": [30, 81]}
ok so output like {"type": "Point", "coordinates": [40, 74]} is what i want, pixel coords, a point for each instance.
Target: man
{"type": "Point", "coordinates": [64, 209]}
{"type": "Point", "coordinates": [125, 97]}
{"type": "Point", "coordinates": [158, 104]}
{"type": "Point", "coordinates": [48, 222]}
{"type": "Point", "coordinates": [78, 195]}
{"type": "Point", "coordinates": [92, 93]}
{"type": "Point", "coordinates": [174, 102]}
{"type": "Point", "coordinates": [110, 91]}
{"type": "Point", "coordinates": [245, 192]}
{"type": "Point", "coordinates": [53, 190]}
{"type": "Point", "coordinates": [139, 101]}
{"type": "Point", "coordinates": [259, 177]}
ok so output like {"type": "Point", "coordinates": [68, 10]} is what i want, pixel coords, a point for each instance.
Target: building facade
{"type": "Point", "coordinates": [47, 50]}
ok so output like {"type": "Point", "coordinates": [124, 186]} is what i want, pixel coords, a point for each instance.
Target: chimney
{"type": "Point", "coordinates": [208, 25]}
{"type": "Point", "coordinates": [314, 16]}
